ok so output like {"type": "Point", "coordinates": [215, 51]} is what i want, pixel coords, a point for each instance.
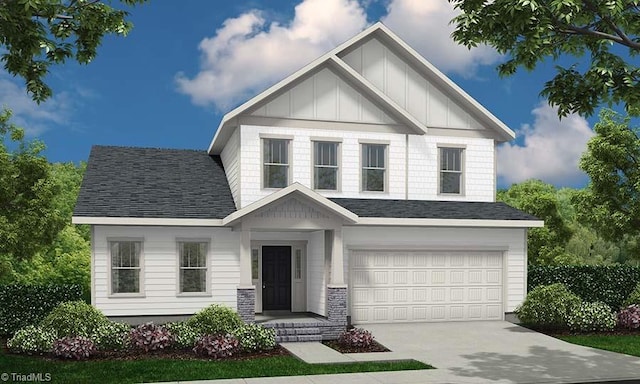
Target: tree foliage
{"type": "Point", "coordinates": [39, 33]}
{"type": "Point", "coordinates": [611, 201]}
{"type": "Point", "coordinates": [529, 32]}
{"type": "Point", "coordinates": [29, 220]}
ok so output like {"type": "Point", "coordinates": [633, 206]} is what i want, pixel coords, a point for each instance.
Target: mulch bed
{"type": "Point", "coordinates": [374, 347]}
{"type": "Point", "coordinates": [566, 332]}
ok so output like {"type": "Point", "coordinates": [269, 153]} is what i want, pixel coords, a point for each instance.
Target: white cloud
{"type": "Point", "coordinates": [249, 52]}
{"type": "Point", "coordinates": [551, 149]}
{"type": "Point", "coordinates": [424, 25]}
{"type": "Point", "coordinates": [34, 118]}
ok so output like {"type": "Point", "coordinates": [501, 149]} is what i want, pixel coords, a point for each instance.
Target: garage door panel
{"type": "Point", "coordinates": [395, 286]}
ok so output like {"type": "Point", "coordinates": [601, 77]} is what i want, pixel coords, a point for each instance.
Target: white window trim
{"type": "Point", "coordinates": [338, 162]}
{"type": "Point", "coordinates": [207, 292]}
{"type": "Point", "coordinates": [141, 293]}
{"type": "Point", "coordinates": [386, 163]}
{"type": "Point", "coordinates": [462, 171]}
{"type": "Point", "coordinates": [289, 140]}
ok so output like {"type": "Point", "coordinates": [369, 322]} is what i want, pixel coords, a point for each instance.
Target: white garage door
{"type": "Point", "coordinates": [404, 286]}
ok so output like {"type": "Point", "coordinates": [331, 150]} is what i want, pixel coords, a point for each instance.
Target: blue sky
{"type": "Point", "coordinates": [185, 63]}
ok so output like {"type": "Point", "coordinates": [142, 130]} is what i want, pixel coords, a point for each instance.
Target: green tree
{"type": "Point", "coordinates": [39, 33]}
{"type": "Point", "coordinates": [530, 32]}
{"type": "Point", "coordinates": [546, 244]}
{"type": "Point", "coordinates": [611, 201]}
{"type": "Point", "coordinates": [29, 220]}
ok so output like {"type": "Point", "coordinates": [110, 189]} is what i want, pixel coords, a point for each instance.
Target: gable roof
{"type": "Point", "coordinates": [333, 60]}
{"type": "Point", "coordinates": [153, 183]}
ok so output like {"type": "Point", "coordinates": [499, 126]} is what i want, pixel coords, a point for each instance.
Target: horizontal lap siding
{"type": "Point", "coordinates": [467, 238]}
{"type": "Point", "coordinates": [160, 270]}
{"type": "Point", "coordinates": [231, 160]}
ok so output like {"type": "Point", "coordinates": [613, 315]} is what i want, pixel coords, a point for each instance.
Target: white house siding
{"type": "Point", "coordinates": [230, 157]}
{"type": "Point", "coordinates": [160, 270]}
{"type": "Point", "coordinates": [481, 239]}
{"type": "Point", "coordinates": [408, 88]}
{"type": "Point", "coordinates": [316, 277]}
{"type": "Point", "coordinates": [324, 96]}
{"type": "Point", "coordinates": [479, 173]}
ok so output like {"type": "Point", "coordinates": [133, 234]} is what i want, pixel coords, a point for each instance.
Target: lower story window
{"type": "Point", "coordinates": [125, 266]}
{"type": "Point", "coordinates": [193, 267]}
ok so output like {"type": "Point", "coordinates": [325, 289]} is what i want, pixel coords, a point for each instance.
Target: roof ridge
{"type": "Point", "coordinates": [149, 148]}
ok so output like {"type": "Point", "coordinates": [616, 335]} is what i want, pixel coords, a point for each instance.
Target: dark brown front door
{"type": "Point", "coordinates": [276, 278]}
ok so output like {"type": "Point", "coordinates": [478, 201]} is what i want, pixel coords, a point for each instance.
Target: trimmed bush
{"type": "Point", "coordinates": [548, 306]}
{"type": "Point", "coordinates": [184, 335]}
{"type": "Point", "coordinates": [609, 284]}
{"type": "Point", "coordinates": [22, 305]}
{"type": "Point", "coordinates": [32, 339]}
{"type": "Point", "coordinates": [217, 346]}
{"type": "Point", "coordinates": [111, 336]}
{"type": "Point", "coordinates": [634, 297]}
{"type": "Point", "coordinates": [74, 318]}
{"type": "Point", "coordinates": [253, 337]}
{"type": "Point", "coordinates": [591, 317]}
{"type": "Point", "coordinates": [629, 317]}
{"type": "Point", "coordinates": [215, 319]}
{"type": "Point", "coordinates": [77, 348]}
{"type": "Point", "coordinates": [150, 337]}
{"type": "Point", "coordinates": [355, 338]}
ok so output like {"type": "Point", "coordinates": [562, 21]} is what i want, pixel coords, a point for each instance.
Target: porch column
{"type": "Point", "coordinates": [337, 290]}
{"type": "Point", "coordinates": [246, 290]}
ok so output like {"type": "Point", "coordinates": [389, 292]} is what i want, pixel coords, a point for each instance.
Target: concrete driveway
{"type": "Point", "coordinates": [502, 352]}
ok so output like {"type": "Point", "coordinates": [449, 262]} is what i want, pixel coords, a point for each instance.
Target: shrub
{"type": "Point", "coordinates": [76, 347]}
{"type": "Point", "coordinates": [22, 305]}
{"type": "Point", "coordinates": [253, 337]}
{"type": "Point", "coordinates": [629, 317]}
{"type": "Point", "coordinates": [609, 284]}
{"type": "Point", "coordinates": [74, 318]}
{"type": "Point", "coordinates": [634, 297]}
{"type": "Point", "coordinates": [184, 335]}
{"type": "Point", "coordinates": [217, 346]}
{"type": "Point", "coordinates": [32, 339]}
{"type": "Point", "coordinates": [150, 337]}
{"type": "Point", "coordinates": [111, 336]}
{"type": "Point", "coordinates": [590, 317]}
{"type": "Point", "coordinates": [215, 319]}
{"type": "Point", "coordinates": [355, 338]}
{"type": "Point", "coordinates": [547, 306]}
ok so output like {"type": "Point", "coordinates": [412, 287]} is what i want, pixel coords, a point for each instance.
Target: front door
{"type": "Point", "coordinates": [276, 278]}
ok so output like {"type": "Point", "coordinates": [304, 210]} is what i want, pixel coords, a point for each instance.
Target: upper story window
{"type": "Point", "coordinates": [276, 163]}
{"type": "Point", "coordinates": [451, 170]}
{"type": "Point", "coordinates": [126, 266]}
{"type": "Point", "coordinates": [193, 266]}
{"type": "Point", "coordinates": [374, 167]}
{"type": "Point", "coordinates": [325, 165]}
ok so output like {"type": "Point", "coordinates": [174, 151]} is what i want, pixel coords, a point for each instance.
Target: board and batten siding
{"type": "Point", "coordinates": [316, 276]}
{"type": "Point", "coordinates": [512, 240]}
{"type": "Point", "coordinates": [230, 157]}
{"type": "Point", "coordinates": [160, 270]}
{"type": "Point", "coordinates": [408, 88]}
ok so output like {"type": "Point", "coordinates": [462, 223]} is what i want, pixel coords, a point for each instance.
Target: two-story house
{"type": "Point", "coordinates": [362, 185]}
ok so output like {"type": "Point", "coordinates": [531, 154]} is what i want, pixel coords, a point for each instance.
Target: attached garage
{"type": "Point", "coordinates": [425, 285]}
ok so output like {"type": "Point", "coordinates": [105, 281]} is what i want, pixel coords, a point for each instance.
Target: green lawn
{"type": "Point", "coordinates": [151, 370]}
{"type": "Point", "coordinates": [627, 344]}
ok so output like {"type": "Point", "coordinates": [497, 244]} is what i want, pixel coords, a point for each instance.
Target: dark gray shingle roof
{"type": "Point", "coordinates": [425, 209]}
{"type": "Point", "coordinates": [154, 183]}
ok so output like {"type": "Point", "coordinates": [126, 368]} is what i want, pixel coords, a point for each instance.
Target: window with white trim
{"type": "Point", "coordinates": [193, 266]}
{"type": "Point", "coordinates": [275, 163]}
{"type": "Point", "coordinates": [325, 165]}
{"type": "Point", "coordinates": [374, 167]}
{"type": "Point", "coordinates": [125, 266]}
{"type": "Point", "coordinates": [451, 170]}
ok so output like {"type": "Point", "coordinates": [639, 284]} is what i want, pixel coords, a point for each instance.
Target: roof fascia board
{"type": "Point", "coordinates": [97, 220]}
{"type": "Point", "coordinates": [291, 189]}
{"type": "Point", "coordinates": [379, 221]}
{"type": "Point", "coordinates": [360, 82]}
